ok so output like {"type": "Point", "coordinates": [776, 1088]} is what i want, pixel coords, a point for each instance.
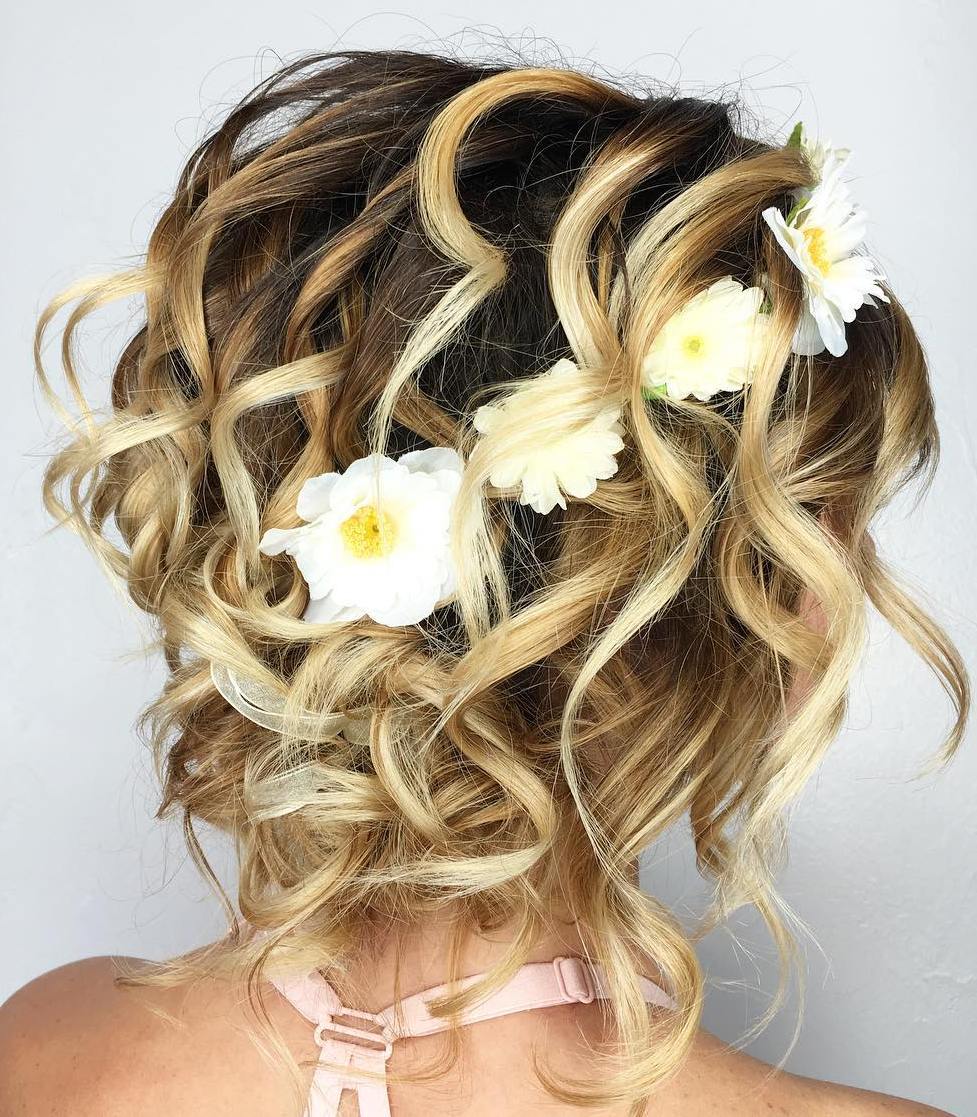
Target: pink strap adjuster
{"type": "Point", "coordinates": [378, 1043]}
{"type": "Point", "coordinates": [574, 980]}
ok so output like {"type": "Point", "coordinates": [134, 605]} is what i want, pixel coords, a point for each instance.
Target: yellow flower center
{"type": "Point", "coordinates": [369, 533]}
{"type": "Point", "coordinates": [816, 248]}
{"type": "Point", "coordinates": [694, 345]}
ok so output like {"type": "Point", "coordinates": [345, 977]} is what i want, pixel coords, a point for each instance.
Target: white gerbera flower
{"type": "Point", "coordinates": [712, 344]}
{"type": "Point", "coordinates": [553, 467]}
{"type": "Point", "coordinates": [818, 154]}
{"type": "Point", "coordinates": [376, 538]}
{"type": "Point", "coordinates": [821, 236]}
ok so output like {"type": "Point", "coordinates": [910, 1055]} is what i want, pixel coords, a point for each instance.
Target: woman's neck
{"type": "Point", "coordinates": [430, 953]}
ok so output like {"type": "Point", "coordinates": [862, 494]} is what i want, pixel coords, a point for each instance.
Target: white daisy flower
{"type": "Point", "coordinates": [549, 469]}
{"type": "Point", "coordinates": [376, 538]}
{"type": "Point", "coordinates": [818, 154]}
{"type": "Point", "coordinates": [821, 236]}
{"type": "Point", "coordinates": [712, 344]}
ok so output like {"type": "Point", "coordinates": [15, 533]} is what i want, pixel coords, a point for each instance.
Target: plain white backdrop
{"type": "Point", "coordinates": [100, 105]}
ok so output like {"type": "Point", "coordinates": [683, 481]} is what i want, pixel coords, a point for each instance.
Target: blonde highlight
{"type": "Point", "coordinates": [420, 236]}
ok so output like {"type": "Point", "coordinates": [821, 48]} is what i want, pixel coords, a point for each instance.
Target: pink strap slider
{"type": "Point", "coordinates": [574, 980]}
{"type": "Point", "coordinates": [379, 1043]}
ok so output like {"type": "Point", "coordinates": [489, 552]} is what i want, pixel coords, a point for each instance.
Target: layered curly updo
{"type": "Point", "coordinates": [369, 248]}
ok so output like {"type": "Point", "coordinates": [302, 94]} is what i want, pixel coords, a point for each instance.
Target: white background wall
{"type": "Point", "coordinates": [100, 104]}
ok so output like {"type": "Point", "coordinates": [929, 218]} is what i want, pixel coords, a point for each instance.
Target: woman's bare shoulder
{"type": "Point", "coordinates": [717, 1075]}
{"type": "Point", "coordinates": [75, 1042]}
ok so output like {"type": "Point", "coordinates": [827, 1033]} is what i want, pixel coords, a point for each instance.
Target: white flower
{"type": "Point", "coordinates": [822, 156]}
{"type": "Point", "coordinates": [818, 154]}
{"type": "Point", "coordinates": [551, 467]}
{"type": "Point", "coordinates": [712, 344]}
{"type": "Point", "coordinates": [376, 538]}
{"type": "Point", "coordinates": [821, 236]}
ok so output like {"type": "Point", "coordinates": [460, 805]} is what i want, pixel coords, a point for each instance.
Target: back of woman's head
{"type": "Point", "coordinates": [371, 248]}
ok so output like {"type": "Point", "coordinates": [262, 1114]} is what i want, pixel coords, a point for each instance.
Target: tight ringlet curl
{"type": "Point", "coordinates": [370, 246]}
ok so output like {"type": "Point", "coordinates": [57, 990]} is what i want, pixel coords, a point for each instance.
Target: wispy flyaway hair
{"type": "Point", "coordinates": [369, 248]}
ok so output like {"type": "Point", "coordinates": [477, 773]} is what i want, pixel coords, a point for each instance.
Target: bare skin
{"type": "Point", "coordinates": [73, 1043]}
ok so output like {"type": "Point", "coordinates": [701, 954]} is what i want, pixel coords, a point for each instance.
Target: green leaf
{"type": "Point", "coordinates": [796, 137]}
{"type": "Point", "coordinates": [795, 209]}
{"type": "Point", "coordinates": [658, 391]}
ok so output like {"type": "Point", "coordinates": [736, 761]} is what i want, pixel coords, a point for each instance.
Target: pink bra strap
{"type": "Point", "coordinates": [537, 985]}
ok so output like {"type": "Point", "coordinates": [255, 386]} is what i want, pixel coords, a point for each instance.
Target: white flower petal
{"type": "Point", "coordinates": [506, 474]}
{"type": "Point", "coordinates": [406, 609]}
{"type": "Point", "coordinates": [848, 235]}
{"type": "Point", "coordinates": [785, 236]}
{"type": "Point", "coordinates": [326, 610]}
{"type": "Point", "coordinates": [837, 280]}
{"type": "Point", "coordinates": [561, 463]}
{"type": "Point", "coordinates": [314, 498]}
{"type": "Point", "coordinates": [807, 338]}
{"type": "Point", "coordinates": [712, 344]}
{"type": "Point", "coordinates": [372, 466]}
{"type": "Point", "coordinates": [486, 418]}
{"type": "Point", "coordinates": [276, 540]}
{"type": "Point", "coordinates": [579, 483]}
{"type": "Point", "coordinates": [395, 574]}
{"type": "Point", "coordinates": [541, 489]}
{"type": "Point", "coordinates": [437, 459]}
{"type": "Point", "coordinates": [831, 325]}
{"type": "Point", "coordinates": [823, 157]}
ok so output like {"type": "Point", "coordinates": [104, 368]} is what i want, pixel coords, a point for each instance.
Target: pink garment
{"type": "Point", "coordinates": [537, 985]}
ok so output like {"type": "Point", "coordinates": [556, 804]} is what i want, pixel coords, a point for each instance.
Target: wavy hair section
{"type": "Point", "coordinates": [366, 249]}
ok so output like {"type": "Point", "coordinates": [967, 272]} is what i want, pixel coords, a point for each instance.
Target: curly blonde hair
{"type": "Point", "coordinates": [364, 249]}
